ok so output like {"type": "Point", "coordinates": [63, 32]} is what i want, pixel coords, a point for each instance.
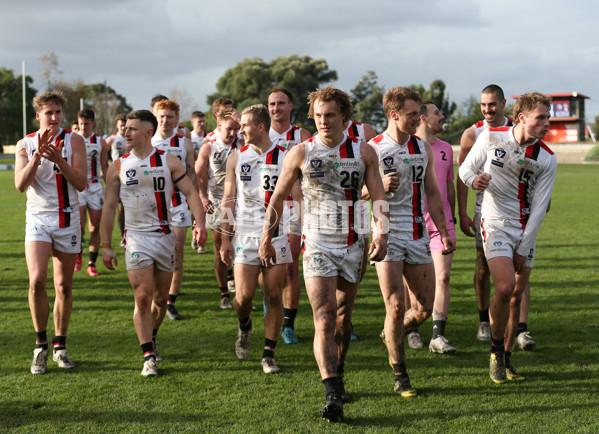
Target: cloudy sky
{"type": "Point", "coordinates": [142, 47]}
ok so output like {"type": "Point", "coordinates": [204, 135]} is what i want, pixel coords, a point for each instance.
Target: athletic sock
{"type": "Point", "coordinates": [438, 328]}
{"type": "Point", "coordinates": [230, 275]}
{"type": "Point", "coordinates": [154, 333]}
{"type": "Point", "coordinates": [224, 292]}
{"type": "Point", "coordinates": [508, 356]}
{"type": "Point", "coordinates": [340, 370]}
{"type": "Point", "coordinates": [483, 315]}
{"type": "Point", "coordinates": [245, 324]}
{"type": "Point", "coordinates": [93, 256]}
{"type": "Point", "coordinates": [41, 340]}
{"type": "Point", "coordinates": [331, 385]}
{"type": "Point", "coordinates": [400, 370]}
{"type": "Point", "coordinates": [148, 350]}
{"type": "Point", "coordinates": [522, 328]}
{"type": "Point", "coordinates": [269, 348]}
{"type": "Point", "coordinates": [171, 299]}
{"type": "Point", "coordinates": [59, 343]}
{"type": "Point", "coordinates": [497, 346]}
{"type": "Point", "coordinates": [289, 317]}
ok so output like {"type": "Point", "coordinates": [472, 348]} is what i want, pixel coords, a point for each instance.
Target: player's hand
{"type": "Point", "coordinates": [226, 251]}
{"type": "Point", "coordinates": [467, 225]}
{"type": "Point", "coordinates": [200, 234]}
{"type": "Point", "coordinates": [481, 182]}
{"type": "Point", "coordinates": [53, 153]}
{"type": "Point", "coordinates": [391, 182]}
{"type": "Point", "coordinates": [519, 262]}
{"type": "Point", "coordinates": [267, 255]}
{"type": "Point", "coordinates": [450, 245]}
{"type": "Point", "coordinates": [207, 204]}
{"type": "Point", "coordinates": [109, 255]}
{"type": "Point", "coordinates": [378, 248]}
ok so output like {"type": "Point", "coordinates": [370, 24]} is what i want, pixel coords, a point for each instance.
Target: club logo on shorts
{"type": "Point", "coordinates": [497, 243]}
{"type": "Point", "coordinates": [525, 211]}
{"type": "Point", "coordinates": [531, 254]}
{"type": "Point", "coordinates": [73, 240]}
{"type": "Point", "coordinates": [135, 256]}
{"type": "Point", "coordinates": [317, 260]}
{"type": "Point", "coordinates": [33, 229]}
{"type": "Point", "coordinates": [131, 178]}
{"type": "Point", "coordinates": [239, 249]}
{"type": "Point", "coordinates": [283, 249]}
{"type": "Point", "coordinates": [500, 153]}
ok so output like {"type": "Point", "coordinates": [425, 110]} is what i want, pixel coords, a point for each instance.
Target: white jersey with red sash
{"type": "Point", "coordinates": [256, 176]}
{"type": "Point", "coordinates": [174, 145]}
{"type": "Point", "coordinates": [355, 130]}
{"type": "Point", "coordinates": [332, 184]}
{"type": "Point", "coordinates": [93, 152]}
{"type": "Point", "coordinates": [521, 183]}
{"type": "Point", "coordinates": [288, 139]}
{"type": "Point", "coordinates": [219, 155]}
{"type": "Point", "coordinates": [51, 200]}
{"type": "Point", "coordinates": [197, 140]}
{"type": "Point", "coordinates": [145, 191]}
{"type": "Point", "coordinates": [406, 205]}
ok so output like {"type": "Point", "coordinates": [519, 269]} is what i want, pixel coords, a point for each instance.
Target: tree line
{"type": "Point", "coordinates": [248, 82]}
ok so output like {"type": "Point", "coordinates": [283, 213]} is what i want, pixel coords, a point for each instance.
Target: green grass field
{"type": "Point", "coordinates": [203, 387]}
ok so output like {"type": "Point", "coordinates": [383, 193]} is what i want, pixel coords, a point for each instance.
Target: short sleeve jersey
{"type": "Point", "coordinates": [332, 184]}
{"type": "Point", "coordinates": [146, 187]}
{"type": "Point", "coordinates": [51, 200]}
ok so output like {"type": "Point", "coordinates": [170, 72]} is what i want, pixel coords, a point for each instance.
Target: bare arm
{"type": "Point", "coordinates": [201, 170]}
{"type": "Point", "coordinates": [466, 223]}
{"type": "Point", "coordinates": [228, 209]}
{"type": "Point", "coordinates": [380, 207]}
{"type": "Point", "coordinates": [190, 162]}
{"type": "Point", "coordinates": [305, 134]}
{"type": "Point", "coordinates": [104, 157]}
{"type": "Point", "coordinates": [111, 199]}
{"type": "Point", "coordinates": [183, 183]}
{"type": "Point", "coordinates": [435, 202]}
{"type": "Point", "coordinates": [25, 168]}
{"type": "Point", "coordinates": [289, 175]}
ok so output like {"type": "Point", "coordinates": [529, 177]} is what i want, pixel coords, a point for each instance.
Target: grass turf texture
{"type": "Point", "coordinates": [202, 386]}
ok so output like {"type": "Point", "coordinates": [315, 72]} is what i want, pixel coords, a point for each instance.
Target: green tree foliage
{"type": "Point", "coordinates": [250, 80]}
{"type": "Point", "coordinates": [464, 116]}
{"type": "Point", "coordinates": [367, 98]}
{"type": "Point", "coordinates": [11, 108]}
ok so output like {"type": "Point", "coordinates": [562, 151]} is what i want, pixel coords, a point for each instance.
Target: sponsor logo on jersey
{"type": "Point", "coordinates": [520, 162]}
{"type": "Point", "coordinates": [497, 163]}
{"type": "Point", "coordinates": [500, 153]}
{"type": "Point", "coordinates": [131, 178]}
{"type": "Point", "coordinates": [245, 169]}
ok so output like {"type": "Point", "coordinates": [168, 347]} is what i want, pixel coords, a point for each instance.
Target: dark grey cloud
{"type": "Point", "coordinates": [143, 47]}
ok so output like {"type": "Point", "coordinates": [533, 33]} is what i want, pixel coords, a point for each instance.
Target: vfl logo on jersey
{"type": "Point", "coordinates": [388, 162]}
{"type": "Point", "coordinates": [500, 153]}
{"type": "Point", "coordinates": [316, 164]}
{"type": "Point", "coordinates": [245, 169]}
{"type": "Point", "coordinates": [216, 157]}
{"type": "Point", "coordinates": [131, 179]}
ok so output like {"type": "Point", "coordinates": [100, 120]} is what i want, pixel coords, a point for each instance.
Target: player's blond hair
{"type": "Point", "coordinates": [50, 97]}
{"type": "Point", "coordinates": [395, 98]}
{"type": "Point", "coordinates": [328, 94]}
{"type": "Point", "coordinates": [259, 114]}
{"type": "Point", "coordinates": [528, 101]}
